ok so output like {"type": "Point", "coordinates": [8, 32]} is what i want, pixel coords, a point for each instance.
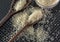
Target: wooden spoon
{"type": "Point", "coordinates": [12, 12]}
{"type": "Point", "coordinates": [33, 18]}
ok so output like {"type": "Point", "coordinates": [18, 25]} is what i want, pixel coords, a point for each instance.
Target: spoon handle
{"type": "Point", "coordinates": [18, 33]}
{"type": "Point", "coordinates": [5, 19]}
{"type": "Point", "coordinates": [8, 14]}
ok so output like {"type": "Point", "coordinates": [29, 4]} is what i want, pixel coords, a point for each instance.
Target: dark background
{"type": "Point", "coordinates": [4, 7]}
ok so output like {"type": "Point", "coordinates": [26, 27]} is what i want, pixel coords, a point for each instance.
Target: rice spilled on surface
{"type": "Point", "coordinates": [38, 35]}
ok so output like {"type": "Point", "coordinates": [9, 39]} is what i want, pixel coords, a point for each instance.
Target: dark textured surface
{"type": "Point", "coordinates": [4, 7]}
{"type": "Point", "coordinates": [54, 24]}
